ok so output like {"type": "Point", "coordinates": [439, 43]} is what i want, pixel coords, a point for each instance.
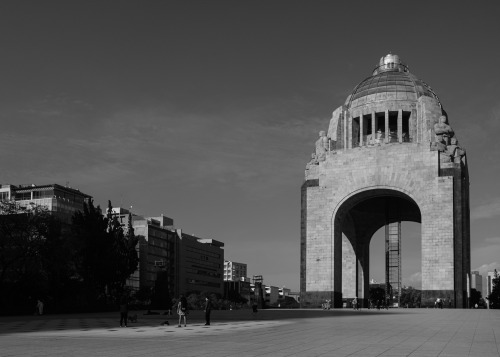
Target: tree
{"type": "Point", "coordinates": [475, 297]}
{"type": "Point", "coordinates": [33, 257]}
{"type": "Point", "coordinates": [22, 233]}
{"type": "Point", "coordinates": [494, 297]}
{"type": "Point", "coordinates": [377, 295]}
{"type": "Point", "coordinates": [410, 297]}
{"type": "Point", "coordinates": [161, 298]}
{"type": "Point", "coordinates": [105, 257]}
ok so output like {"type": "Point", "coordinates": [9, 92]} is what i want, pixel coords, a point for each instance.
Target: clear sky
{"type": "Point", "coordinates": [207, 111]}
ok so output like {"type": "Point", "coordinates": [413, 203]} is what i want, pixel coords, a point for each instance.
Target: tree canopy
{"type": "Point", "coordinates": [494, 297]}
{"type": "Point", "coordinates": [80, 266]}
{"type": "Point", "coordinates": [106, 256]}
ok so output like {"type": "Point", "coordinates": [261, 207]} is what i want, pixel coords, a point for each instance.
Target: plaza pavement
{"type": "Point", "coordinates": [342, 332]}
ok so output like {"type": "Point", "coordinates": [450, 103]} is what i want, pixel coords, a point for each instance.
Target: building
{"type": "Point", "coordinates": [235, 289]}
{"type": "Point", "coordinates": [272, 294]}
{"type": "Point", "coordinates": [388, 155]}
{"type": "Point", "coordinates": [295, 295]}
{"type": "Point", "coordinates": [476, 282]}
{"type": "Point", "coordinates": [489, 283]}
{"type": "Point", "coordinates": [234, 271]}
{"type": "Point", "coordinates": [284, 292]}
{"type": "Point", "coordinates": [200, 264]}
{"type": "Point", "coordinates": [62, 201]}
{"type": "Point", "coordinates": [157, 246]}
{"type": "Point", "coordinates": [184, 262]}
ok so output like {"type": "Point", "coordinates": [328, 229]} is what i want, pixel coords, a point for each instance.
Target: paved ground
{"type": "Point", "coordinates": [404, 332]}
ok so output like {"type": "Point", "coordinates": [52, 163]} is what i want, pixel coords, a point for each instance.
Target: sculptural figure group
{"type": "Point", "coordinates": [446, 142]}
{"type": "Point", "coordinates": [322, 147]}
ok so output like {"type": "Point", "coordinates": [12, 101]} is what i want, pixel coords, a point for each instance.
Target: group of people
{"type": "Point", "coordinates": [356, 305]}
{"type": "Point", "coordinates": [182, 311]}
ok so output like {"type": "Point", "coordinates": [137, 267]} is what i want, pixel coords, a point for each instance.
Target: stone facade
{"type": "Point", "coordinates": [385, 162]}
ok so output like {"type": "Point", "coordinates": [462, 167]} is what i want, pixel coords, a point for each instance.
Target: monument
{"type": "Point", "coordinates": [389, 155]}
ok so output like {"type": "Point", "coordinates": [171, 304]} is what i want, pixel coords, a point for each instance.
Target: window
{"type": "Point", "coordinates": [23, 196]}
{"type": "Point", "coordinates": [42, 194]}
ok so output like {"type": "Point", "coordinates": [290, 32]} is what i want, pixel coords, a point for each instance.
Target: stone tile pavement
{"type": "Point", "coordinates": [403, 332]}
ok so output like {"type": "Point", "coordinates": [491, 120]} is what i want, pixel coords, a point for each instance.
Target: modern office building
{"type": "Point", "coordinates": [476, 281]}
{"type": "Point", "coordinates": [234, 271]}
{"type": "Point", "coordinates": [489, 283]}
{"type": "Point", "coordinates": [201, 264]}
{"type": "Point", "coordinates": [186, 263]}
{"type": "Point", "coordinates": [60, 200]}
{"type": "Point", "coordinates": [156, 247]}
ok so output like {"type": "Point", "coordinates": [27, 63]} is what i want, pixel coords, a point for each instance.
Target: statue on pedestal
{"type": "Point", "coordinates": [313, 161]}
{"type": "Point", "coordinates": [379, 137]}
{"type": "Point", "coordinates": [321, 146]}
{"type": "Point", "coordinates": [454, 151]}
{"type": "Point", "coordinates": [443, 131]}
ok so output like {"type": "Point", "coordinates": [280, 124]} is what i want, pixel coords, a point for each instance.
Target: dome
{"type": "Point", "coordinates": [391, 80]}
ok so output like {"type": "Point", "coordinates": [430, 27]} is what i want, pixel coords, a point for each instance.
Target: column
{"type": "Point", "coordinates": [349, 132]}
{"type": "Point", "coordinates": [361, 129]}
{"type": "Point", "coordinates": [386, 138]}
{"type": "Point", "coordinates": [345, 130]}
{"type": "Point", "coordinates": [373, 126]}
{"type": "Point", "coordinates": [400, 125]}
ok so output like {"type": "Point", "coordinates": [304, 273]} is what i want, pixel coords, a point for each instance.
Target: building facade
{"type": "Point", "coordinates": [234, 271]}
{"type": "Point", "coordinates": [489, 283]}
{"type": "Point", "coordinates": [476, 282]}
{"type": "Point", "coordinates": [388, 155]}
{"type": "Point", "coordinates": [272, 294]}
{"type": "Point", "coordinates": [235, 289]}
{"type": "Point", "coordinates": [59, 200]}
{"type": "Point", "coordinates": [183, 262]}
{"type": "Point", "coordinates": [157, 246]}
{"type": "Point", "coordinates": [201, 264]}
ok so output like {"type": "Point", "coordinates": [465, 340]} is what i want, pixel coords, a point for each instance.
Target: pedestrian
{"type": "Point", "coordinates": [39, 307]}
{"type": "Point", "coordinates": [123, 311]}
{"type": "Point", "coordinates": [254, 308]}
{"type": "Point", "coordinates": [182, 310]}
{"type": "Point", "coordinates": [208, 310]}
{"type": "Point", "coordinates": [355, 303]}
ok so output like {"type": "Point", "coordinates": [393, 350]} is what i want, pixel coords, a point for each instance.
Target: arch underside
{"type": "Point", "coordinates": [356, 221]}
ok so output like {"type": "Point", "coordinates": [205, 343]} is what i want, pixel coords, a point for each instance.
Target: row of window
{"type": "Point", "coordinates": [203, 252]}
{"type": "Point", "coordinates": [203, 283]}
{"type": "Point", "coordinates": [193, 262]}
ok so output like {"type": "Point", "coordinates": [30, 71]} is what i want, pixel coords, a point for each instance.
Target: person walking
{"type": "Point", "coordinates": [123, 311]}
{"type": "Point", "coordinates": [208, 310]}
{"type": "Point", "coordinates": [355, 303]}
{"type": "Point", "coordinates": [39, 307]}
{"type": "Point", "coordinates": [182, 310]}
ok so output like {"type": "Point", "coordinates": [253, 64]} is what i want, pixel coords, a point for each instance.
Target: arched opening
{"type": "Point", "coordinates": [411, 258]}
{"type": "Point", "coordinates": [356, 220]}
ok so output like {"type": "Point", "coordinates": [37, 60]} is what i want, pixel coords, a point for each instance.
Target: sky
{"type": "Point", "coordinates": [208, 111]}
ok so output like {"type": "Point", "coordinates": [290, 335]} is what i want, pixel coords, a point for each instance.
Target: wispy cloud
{"type": "Point", "coordinates": [486, 210]}
{"type": "Point", "coordinates": [485, 268]}
{"type": "Point", "coordinates": [414, 280]}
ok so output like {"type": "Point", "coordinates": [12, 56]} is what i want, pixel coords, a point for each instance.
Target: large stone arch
{"type": "Point", "coordinates": [354, 221]}
{"type": "Point", "coordinates": [389, 144]}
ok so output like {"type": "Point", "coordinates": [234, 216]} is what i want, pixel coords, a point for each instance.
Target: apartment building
{"type": "Point", "coordinates": [234, 271]}
{"type": "Point", "coordinates": [62, 201]}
